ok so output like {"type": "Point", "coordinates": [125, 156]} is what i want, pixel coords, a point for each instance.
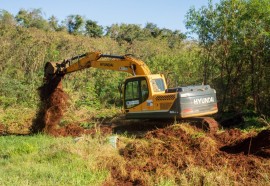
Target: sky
{"type": "Point", "coordinates": [168, 14]}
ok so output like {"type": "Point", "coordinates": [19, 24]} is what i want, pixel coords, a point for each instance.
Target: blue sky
{"type": "Point", "coordinates": [165, 13]}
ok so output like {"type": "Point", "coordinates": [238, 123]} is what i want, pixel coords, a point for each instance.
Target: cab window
{"type": "Point", "coordinates": [144, 90]}
{"type": "Point", "coordinates": [136, 92]}
{"type": "Point", "coordinates": [158, 85]}
{"type": "Point", "coordinates": [132, 90]}
{"type": "Point", "coordinates": [132, 94]}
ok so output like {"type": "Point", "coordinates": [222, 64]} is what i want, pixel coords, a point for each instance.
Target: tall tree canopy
{"type": "Point", "coordinates": [92, 29]}
{"type": "Point", "coordinates": [74, 24]}
{"type": "Point", "coordinates": [32, 18]}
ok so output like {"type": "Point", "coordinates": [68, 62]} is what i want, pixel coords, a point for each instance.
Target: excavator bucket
{"type": "Point", "coordinates": [50, 69]}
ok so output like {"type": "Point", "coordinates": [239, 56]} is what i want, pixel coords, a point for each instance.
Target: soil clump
{"type": "Point", "coordinates": [2, 129]}
{"type": "Point", "coordinates": [53, 105]}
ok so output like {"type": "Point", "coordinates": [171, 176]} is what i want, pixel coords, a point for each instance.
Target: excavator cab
{"type": "Point", "coordinates": [140, 93]}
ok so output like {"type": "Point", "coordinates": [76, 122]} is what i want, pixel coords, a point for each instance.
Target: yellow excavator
{"type": "Point", "coordinates": [145, 95]}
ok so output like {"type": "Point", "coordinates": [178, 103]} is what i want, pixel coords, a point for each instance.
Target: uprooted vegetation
{"type": "Point", "coordinates": [187, 156]}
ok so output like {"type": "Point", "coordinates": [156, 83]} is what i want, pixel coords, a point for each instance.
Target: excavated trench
{"type": "Point", "coordinates": [258, 145]}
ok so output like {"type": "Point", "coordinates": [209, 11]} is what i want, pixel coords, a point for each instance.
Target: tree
{"type": "Point", "coordinates": [151, 29]}
{"type": "Point", "coordinates": [173, 37]}
{"type": "Point", "coordinates": [234, 36]}
{"type": "Point", "coordinates": [53, 23]}
{"type": "Point", "coordinates": [6, 18]}
{"type": "Point", "coordinates": [92, 29]}
{"type": "Point", "coordinates": [125, 32]}
{"type": "Point", "coordinates": [32, 18]}
{"type": "Point", "coordinates": [74, 24]}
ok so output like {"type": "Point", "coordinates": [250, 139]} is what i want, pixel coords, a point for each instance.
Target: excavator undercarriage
{"type": "Point", "coordinates": [207, 124]}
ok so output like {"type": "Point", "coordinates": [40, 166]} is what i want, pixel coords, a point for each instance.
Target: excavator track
{"type": "Point", "coordinates": [140, 126]}
{"type": "Point", "coordinates": [211, 124]}
{"type": "Point", "coordinates": [208, 124]}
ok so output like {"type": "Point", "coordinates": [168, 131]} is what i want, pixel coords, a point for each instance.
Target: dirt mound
{"type": "Point", "coordinates": [228, 136]}
{"type": "Point", "coordinates": [170, 151]}
{"type": "Point", "coordinates": [167, 151]}
{"type": "Point", "coordinates": [258, 145]}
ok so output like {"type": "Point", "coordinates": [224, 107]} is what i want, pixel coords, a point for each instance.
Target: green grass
{"type": "Point", "coordinates": [43, 160]}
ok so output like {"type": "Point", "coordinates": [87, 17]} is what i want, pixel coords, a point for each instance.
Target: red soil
{"type": "Point", "coordinates": [54, 102]}
{"type": "Point", "coordinates": [170, 151]}
{"type": "Point", "coordinates": [2, 129]}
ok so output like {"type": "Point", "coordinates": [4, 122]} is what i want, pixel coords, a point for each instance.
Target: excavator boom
{"type": "Point", "coordinates": [97, 60]}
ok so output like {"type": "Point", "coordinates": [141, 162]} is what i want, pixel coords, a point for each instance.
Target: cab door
{"type": "Point", "coordinates": [136, 92]}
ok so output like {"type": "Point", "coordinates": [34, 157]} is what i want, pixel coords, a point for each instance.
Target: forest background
{"type": "Point", "coordinates": [231, 53]}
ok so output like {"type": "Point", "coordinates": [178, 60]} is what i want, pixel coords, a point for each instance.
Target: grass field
{"type": "Point", "coordinates": [45, 160]}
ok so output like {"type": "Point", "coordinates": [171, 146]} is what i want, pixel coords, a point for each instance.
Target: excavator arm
{"type": "Point", "coordinates": [97, 60]}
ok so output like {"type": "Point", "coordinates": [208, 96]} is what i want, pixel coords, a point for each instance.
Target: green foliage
{"type": "Point", "coordinates": [131, 32]}
{"type": "Point", "coordinates": [152, 30]}
{"type": "Point", "coordinates": [6, 18]}
{"type": "Point", "coordinates": [54, 25]}
{"type": "Point", "coordinates": [92, 29]}
{"type": "Point", "coordinates": [125, 32]}
{"type": "Point", "coordinates": [253, 120]}
{"type": "Point", "coordinates": [32, 18]}
{"type": "Point", "coordinates": [74, 24]}
{"type": "Point", "coordinates": [15, 91]}
{"type": "Point", "coordinates": [180, 69]}
{"type": "Point", "coordinates": [232, 55]}
{"type": "Point", "coordinates": [90, 98]}
{"type": "Point", "coordinates": [234, 36]}
{"type": "Point", "coordinates": [22, 67]}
